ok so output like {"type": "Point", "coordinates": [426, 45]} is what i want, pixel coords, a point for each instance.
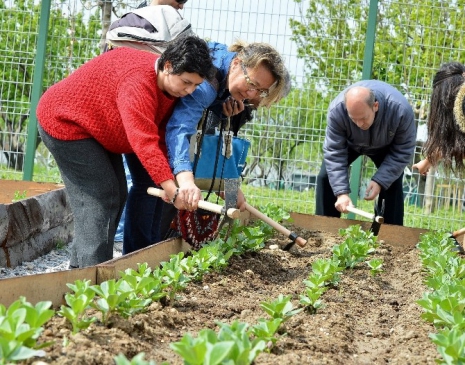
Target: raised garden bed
{"type": "Point", "coordinates": [366, 319]}
{"type": "Point", "coordinates": [34, 218]}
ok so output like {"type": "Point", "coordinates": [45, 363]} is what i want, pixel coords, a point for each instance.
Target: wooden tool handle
{"type": "Point", "coordinates": [376, 218]}
{"type": "Point", "coordinates": [458, 233]}
{"type": "Point", "coordinates": [360, 212]}
{"type": "Point", "coordinates": [299, 240]}
{"type": "Point", "coordinates": [211, 207]}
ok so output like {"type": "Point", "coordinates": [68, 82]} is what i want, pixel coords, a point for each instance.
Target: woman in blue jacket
{"type": "Point", "coordinates": [245, 72]}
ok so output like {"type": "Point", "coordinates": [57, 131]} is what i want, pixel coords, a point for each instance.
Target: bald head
{"type": "Point", "coordinates": [361, 106]}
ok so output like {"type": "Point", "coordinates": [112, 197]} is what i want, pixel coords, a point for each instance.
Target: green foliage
{"type": "Point", "coordinates": [76, 305]}
{"type": "Point", "coordinates": [20, 327]}
{"type": "Point", "coordinates": [19, 195]}
{"type": "Point", "coordinates": [173, 275]}
{"type": "Point", "coordinates": [375, 266]}
{"type": "Point", "coordinates": [206, 348]}
{"type": "Point", "coordinates": [451, 346]}
{"type": "Point", "coordinates": [68, 37]}
{"type": "Point", "coordinates": [357, 245]}
{"type": "Point", "coordinates": [280, 308]}
{"type": "Point", "coordinates": [445, 305]}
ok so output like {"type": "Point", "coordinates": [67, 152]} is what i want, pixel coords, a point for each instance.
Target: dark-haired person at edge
{"type": "Point", "coordinates": [118, 102]}
{"type": "Point", "coordinates": [446, 121]}
{"type": "Point", "coordinates": [374, 119]}
{"type": "Point", "coordinates": [245, 72]}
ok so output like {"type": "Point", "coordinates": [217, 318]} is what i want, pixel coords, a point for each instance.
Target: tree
{"type": "Point", "coordinates": [68, 47]}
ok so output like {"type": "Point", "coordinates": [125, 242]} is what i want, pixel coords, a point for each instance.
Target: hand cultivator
{"type": "Point", "coordinates": [454, 235]}
{"type": "Point", "coordinates": [377, 218]}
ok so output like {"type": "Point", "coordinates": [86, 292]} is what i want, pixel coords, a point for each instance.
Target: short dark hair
{"type": "Point", "coordinates": [189, 54]}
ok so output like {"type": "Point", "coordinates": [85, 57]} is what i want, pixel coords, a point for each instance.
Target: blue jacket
{"type": "Point", "coordinates": [189, 109]}
{"type": "Point", "coordinates": [394, 126]}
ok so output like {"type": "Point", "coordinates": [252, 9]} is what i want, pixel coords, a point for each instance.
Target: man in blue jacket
{"type": "Point", "coordinates": [374, 119]}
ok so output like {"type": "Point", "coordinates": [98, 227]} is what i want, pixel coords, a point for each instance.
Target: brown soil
{"type": "Point", "coordinates": [366, 320]}
{"type": "Point", "coordinates": [10, 189]}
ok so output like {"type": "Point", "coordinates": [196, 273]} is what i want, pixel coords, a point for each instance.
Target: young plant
{"type": "Point", "coordinates": [20, 327]}
{"type": "Point", "coordinates": [266, 330]}
{"type": "Point", "coordinates": [77, 304]}
{"type": "Point", "coordinates": [357, 245]}
{"type": "Point", "coordinates": [144, 283]}
{"type": "Point", "coordinates": [19, 195]}
{"type": "Point", "coordinates": [311, 299]}
{"type": "Point", "coordinates": [111, 294]}
{"type": "Point", "coordinates": [173, 276]}
{"type": "Point", "coordinates": [451, 345]}
{"type": "Point", "coordinates": [327, 270]}
{"type": "Point", "coordinates": [375, 266]}
{"type": "Point", "coordinates": [206, 348]}
{"type": "Point", "coordinates": [281, 308]}
{"type": "Point", "coordinates": [244, 350]}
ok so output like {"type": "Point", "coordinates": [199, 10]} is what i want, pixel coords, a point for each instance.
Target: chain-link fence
{"type": "Point", "coordinates": [327, 45]}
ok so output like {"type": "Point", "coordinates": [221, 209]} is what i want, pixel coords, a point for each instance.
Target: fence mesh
{"type": "Point", "coordinates": [323, 44]}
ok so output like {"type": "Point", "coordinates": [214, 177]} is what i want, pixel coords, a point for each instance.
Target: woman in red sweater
{"type": "Point", "coordinates": [118, 102]}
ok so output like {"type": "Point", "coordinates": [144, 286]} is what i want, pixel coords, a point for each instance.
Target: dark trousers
{"type": "Point", "coordinates": [147, 218]}
{"type": "Point", "coordinates": [393, 197]}
{"type": "Point", "coordinates": [96, 187]}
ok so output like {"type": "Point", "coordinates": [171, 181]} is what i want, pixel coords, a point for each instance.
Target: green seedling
{"type": "Point", "coordinates": [206, 348]}
{"type": "Point", "coordinates": [281, 308]}
{"type": "Point", "coordinates": [19, 195]}
{"type": "Point", "coordinates": [20, 327]}
{"type": "Point", "coordinates": [266, 330]}
{"type": "Point", "coordinates": [311, 299]}
{"type": "Point", "coordinates": [173, 276]}
{"type": "Point", "coordinates": [451, 346]}
{"type": "Point", "coordinates": [77, 304]}
{"type": "Point", "coordinates": [111, 295]}
{"type": "Point", "coordinates": [131, 302]}
{"type": "Point", "coordinates": [375, 266]}
{"type": "Point", "coordinates": [244, 350]}
{"type": "Point", "coordinates": [328, 270]}
{"type": "Point", "coordinates": [144, 283]}
{"type": "Point", "coordinates": [357, 245]}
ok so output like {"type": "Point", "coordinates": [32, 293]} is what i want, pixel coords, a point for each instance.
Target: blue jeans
{"type": "Point", "coordinates": [146, 219]}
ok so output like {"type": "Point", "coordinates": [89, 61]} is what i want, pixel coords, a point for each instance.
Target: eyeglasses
{"type": "Point", "coordinates": [263, 93]}
{"type": "Point", "coordinates": [181, 1]}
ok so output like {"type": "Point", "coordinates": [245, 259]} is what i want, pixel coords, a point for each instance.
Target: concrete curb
{"type": "Point", "coordinates": [32, 227]}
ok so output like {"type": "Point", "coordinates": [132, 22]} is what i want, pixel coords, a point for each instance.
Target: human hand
{"type": "Point", "coordinates": [423, 167]}
{"type": "Point", "coordinates": [232, 107]}
{"type": "Point", "coordinates": [372, 191]}
{"type": "Point", "coordinates": [189, 194]}
{"type": "Point", "coordinates": [343, 201]}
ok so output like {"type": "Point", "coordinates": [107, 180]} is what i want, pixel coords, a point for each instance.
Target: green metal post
{"type": "Point", "coordinates": [356, 169]}
{"type": "Point", "coordinates": [37, 81]}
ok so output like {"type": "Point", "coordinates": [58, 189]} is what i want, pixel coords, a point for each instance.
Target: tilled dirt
{"type": "Point", "coordinates": [366, 319]}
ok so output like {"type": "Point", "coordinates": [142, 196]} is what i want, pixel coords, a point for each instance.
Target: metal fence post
{"type": "Point", "coordinates": [36, 93]}
{"type": "Point", "coordinates": [356, 169]}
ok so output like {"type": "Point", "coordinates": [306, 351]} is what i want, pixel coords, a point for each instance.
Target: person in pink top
{"type": "Point", "coordinates": [118, 102]}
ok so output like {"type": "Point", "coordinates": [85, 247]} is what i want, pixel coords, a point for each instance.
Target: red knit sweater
{"type": "Point", "coordinates": [113, 98]}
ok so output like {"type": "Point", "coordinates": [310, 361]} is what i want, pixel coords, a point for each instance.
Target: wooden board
{"type": "Point", "coordinates": [397, 236]}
